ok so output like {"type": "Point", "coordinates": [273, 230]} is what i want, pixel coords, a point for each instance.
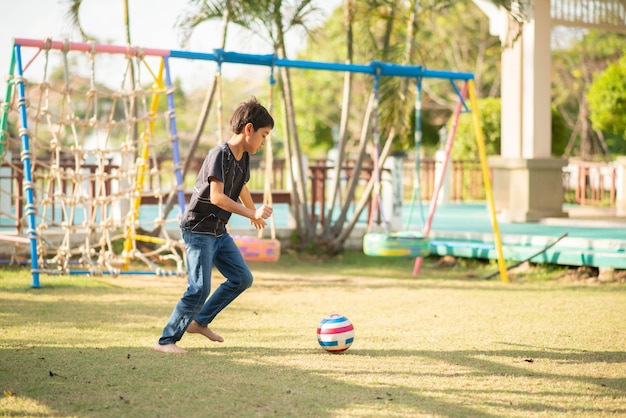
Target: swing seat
{"type": "Point", "coordinates": [258, 249]}
{"type": "Point", "coordinates": [396, 244]}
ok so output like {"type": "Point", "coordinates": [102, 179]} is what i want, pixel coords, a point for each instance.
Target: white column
{"type": "Point", "coordinates": [440, 157]}
{"type": "Point", "coordinates": [527, 182]}
{"type": "Point", "coordinates": [511, 97]}
{"type": "Point", "coordinates": [537, 129]}
{"type": "Point", "coordinates": [621, 187]}
{"type": "Point", "coordinates": [391, 192]}
{"type": "Point", "coordinates": [526, 80]}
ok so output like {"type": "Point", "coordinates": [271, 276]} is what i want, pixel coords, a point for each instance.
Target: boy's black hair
{"type": "Point", "coordinates": [252, 112]}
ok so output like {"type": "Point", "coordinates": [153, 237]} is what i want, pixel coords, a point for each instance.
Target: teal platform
{"type": "Point", "coordinates": [595, 236]}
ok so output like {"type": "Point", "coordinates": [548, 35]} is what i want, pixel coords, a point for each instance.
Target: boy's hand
{"type": "Point", "coordinates": [258, 224]}
{"type": "Point", "coordinates": [263, 212]}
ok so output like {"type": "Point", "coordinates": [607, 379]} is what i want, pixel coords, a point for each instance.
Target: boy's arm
{"type": "Point", "coordinates": [221, 200]}
{"type": "Point", "coordinates": [246, 198]}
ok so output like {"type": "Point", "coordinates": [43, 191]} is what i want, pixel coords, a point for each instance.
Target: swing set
{"type": "Point", "coordinates": [411, 243]}
{"type": "Point", "coordinates": [90, 200]}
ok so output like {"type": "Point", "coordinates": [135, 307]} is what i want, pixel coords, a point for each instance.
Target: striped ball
{"type": "Point", "coordinates": [335, 333]}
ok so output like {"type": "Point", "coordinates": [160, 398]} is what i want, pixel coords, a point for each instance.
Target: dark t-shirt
{"type": "Point", "coordinates": [201, 215]}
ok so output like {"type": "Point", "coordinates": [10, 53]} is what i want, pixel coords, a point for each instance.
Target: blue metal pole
{"type": "Point", "coordinates": [28, 171]}
{"type": "Point", "coordinates": [174, 134]}
{"type": "Point", "coordinates": [375, 67]}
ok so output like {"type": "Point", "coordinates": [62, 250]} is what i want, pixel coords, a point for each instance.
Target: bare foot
{"type": "Point", "coordinates": [169, 348]}
{"type": "Point", "coordinates": [195, 328]}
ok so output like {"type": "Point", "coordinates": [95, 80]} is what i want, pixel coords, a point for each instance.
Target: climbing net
{"type": "Point", "coordinates": [98, 157]}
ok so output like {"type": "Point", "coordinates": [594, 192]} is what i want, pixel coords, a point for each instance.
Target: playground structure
{"type": "Point", "coordinates": [85, 219]}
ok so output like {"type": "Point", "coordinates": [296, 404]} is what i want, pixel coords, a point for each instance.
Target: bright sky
{"type": "Point", "coordinates": [152, 25]}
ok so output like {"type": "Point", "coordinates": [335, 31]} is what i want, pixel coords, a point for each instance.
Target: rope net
{"type": "Point", "coordinates": [100, 147]}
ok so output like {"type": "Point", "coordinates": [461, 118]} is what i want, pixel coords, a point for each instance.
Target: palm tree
{"type": "Point", "coordinates": [398, 103]}
{"type": "Point", "coordinates": [397, 110]}
{"type": "Point", "coordinates": [349, 15]}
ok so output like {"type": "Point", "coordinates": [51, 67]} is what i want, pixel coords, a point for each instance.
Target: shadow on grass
{"type": "Point", "coordinates": [258, 381]}
{"type": "Point", "coordinates": [115, 373]}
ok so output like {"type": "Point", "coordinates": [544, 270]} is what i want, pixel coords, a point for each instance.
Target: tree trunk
{"type": "Point", "coordinates": [339, 230]}
{"type": "Point", "coordinates": [347, 230]}
{"type": "Point", "coordinates": [306, 230]}
{"type": "Point", "coordinates": [358, 166]}
{"type": "Point", "coordinates": [349, 10]}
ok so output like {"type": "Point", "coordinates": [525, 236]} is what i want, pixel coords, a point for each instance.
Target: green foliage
{"type": "Point", "coordinates": [607, 99]}
{"type": "Point", "coordinates": [490, 116]}
{"type": "Point", "coordinates": [318, 94]}
{"type": "Point", "coordinates": [430, 135]}
{"type": "Point", "coordinates": [465, 141]}
{"type": "Point", "coordinates": [560, 132]}
{"type": "Point", "coordinates": [615, 143]}
{"type": "Point", "coordinates": [457, 38]}
{"type": "Point", "coordinates": [574, 66]}
{"type": "Point", "coordinates": [318, 108]}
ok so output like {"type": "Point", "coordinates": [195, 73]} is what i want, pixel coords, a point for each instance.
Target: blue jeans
{"type": "Point", "coordinates": [204, 252]}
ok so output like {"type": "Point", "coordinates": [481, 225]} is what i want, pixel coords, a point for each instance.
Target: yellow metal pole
{"type": "Point", "coordinates": [143, 162]}
{"type": "Point", "coordinates": [480, 142]}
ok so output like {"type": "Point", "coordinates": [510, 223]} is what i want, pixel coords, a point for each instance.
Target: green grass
{"type": "Point", "coordinates": [444, 344]}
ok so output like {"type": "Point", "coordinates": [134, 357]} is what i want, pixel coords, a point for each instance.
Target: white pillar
{"type": "Point", "coordinates": [391, 192]}
{"type": "Point", "coordinates": [511, 97]}
{"type": "Point", "coordinates": [527, 183]}
{"type": "Point", "coordinates": [621, 187]}
{"type": "Point", "coordinates": [440, 158]}
{"type": "Point", "coordinates": [526, 79]}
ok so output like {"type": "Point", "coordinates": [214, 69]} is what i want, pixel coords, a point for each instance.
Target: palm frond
{"type": "Point", "coordinates": [72, 16]}
{"type": "Point", "coordinates": [199, 11]}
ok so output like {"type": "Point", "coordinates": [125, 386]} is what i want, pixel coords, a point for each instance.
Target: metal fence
{"type": "Point", "coordinates": [584, 183]}
{"type": "Point", "coordinates": [590, 184]}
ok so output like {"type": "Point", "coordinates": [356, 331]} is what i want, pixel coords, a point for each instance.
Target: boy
{"type": "Point", "coordinates": [220, 184]}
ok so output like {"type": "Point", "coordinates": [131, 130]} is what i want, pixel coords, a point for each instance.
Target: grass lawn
{"type": "Point", "coordinates": [442, 344]}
